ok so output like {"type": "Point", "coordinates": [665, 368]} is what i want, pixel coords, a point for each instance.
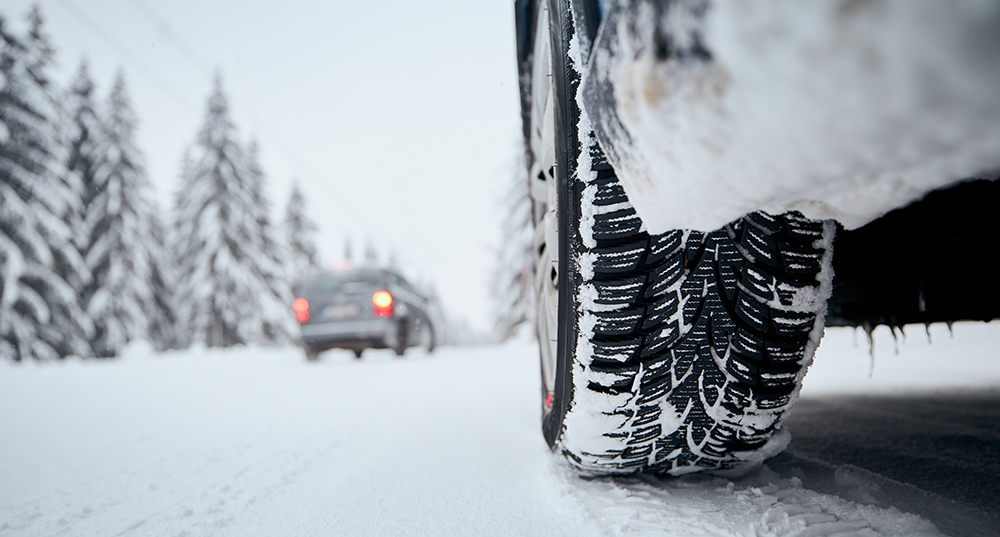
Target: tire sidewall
{"type": "Point", "coordinates": [565, 83]}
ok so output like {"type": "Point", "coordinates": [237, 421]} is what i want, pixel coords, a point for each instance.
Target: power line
{"type": "Point", "coordinates": [202, 65]}
{"type": "Point", "coordinates": [126, 54]}
{"type": "Point", "coordinates": [167, 32]}
{"type": "Point", "coordinates": [192, 57]}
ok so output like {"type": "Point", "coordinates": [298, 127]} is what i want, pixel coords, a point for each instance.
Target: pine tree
{"type": "Point", "coordinates": [513, 297]}
{"type": "Point", "coordinates": [68, 262]}
{"type": "Point", "coordinates": [230, 289]}
{"type": "Point", "coordinates": [348, 250]}
{"type": "Point", "coordinates": [85, 145]}
{"type": "Point", "coordinates": [275, 272]}
{"type": "Point", "coordinates": [163, 273]}
{"type": "Point", "coordinates": [299, 233]}
{"type": "Point", "coordinates": [40, 316]}
{"type": "Point", "coordinates": [118, 220]}
{"type": "Point", "coordinates": [371, 254]}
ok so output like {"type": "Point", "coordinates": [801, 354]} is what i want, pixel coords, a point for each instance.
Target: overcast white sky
{"type": "Point", "coordinates": [400, 119]}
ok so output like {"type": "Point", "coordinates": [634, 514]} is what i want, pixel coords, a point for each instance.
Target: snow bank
{"type": "Point", "coordinates": [934, 358]}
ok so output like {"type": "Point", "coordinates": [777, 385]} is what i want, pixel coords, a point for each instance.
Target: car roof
{"type": "Point", "coordinates": [360, 273]}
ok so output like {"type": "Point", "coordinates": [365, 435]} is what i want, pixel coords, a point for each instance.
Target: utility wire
{"type": "Point", "coordinates": [167, 32]}
{"type": "Point", "coordinates": [127, 55]}
{"type": "Point", "coordinates": [202, 65]}
{"type": "Point", "coordinates": [194, 58]}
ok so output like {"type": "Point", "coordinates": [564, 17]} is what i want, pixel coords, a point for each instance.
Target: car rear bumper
{"type": "Point", "coordinates": [358, 334]}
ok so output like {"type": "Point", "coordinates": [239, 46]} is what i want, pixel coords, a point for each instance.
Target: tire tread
{"type": "Point", "coordinates": [703, 322]}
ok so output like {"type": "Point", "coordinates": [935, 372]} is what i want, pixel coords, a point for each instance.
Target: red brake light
{"type": "Point", "coordinates": [382, 299]}
{"type": "Point", "coordinates": [301, 307]}
{"type": "Point", "coordinates": [382, 302]}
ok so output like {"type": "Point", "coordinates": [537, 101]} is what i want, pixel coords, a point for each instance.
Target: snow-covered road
{"type": "Point", "coordinates": [259, 442]}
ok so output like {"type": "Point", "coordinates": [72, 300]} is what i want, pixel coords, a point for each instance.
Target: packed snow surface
{"type": "Point", "coordinates": [251, 441]}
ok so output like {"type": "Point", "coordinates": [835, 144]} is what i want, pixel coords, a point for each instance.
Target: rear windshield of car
{"type": "Point", "coordinates": [344, 282]}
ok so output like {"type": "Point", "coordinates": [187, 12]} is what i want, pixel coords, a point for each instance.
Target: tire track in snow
{"type": "Point", "coordinates": [761, 504]}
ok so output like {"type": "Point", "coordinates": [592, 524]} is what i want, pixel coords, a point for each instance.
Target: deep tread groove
{"type": "Point", "coordinates": [684, 302]}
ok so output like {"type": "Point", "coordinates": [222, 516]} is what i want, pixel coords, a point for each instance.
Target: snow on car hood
{"type": "Point", "coordinates": [838, 109]}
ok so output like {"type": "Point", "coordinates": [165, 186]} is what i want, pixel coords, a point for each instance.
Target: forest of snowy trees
{"type": "Point", "coordinates": [87, 263]}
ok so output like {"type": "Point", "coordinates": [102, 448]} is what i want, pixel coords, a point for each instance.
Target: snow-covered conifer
{"type": "Point", "coordinates": [162, 314]}
{"type": "Point", "coordinates": [275, 316]}
{"type": "Point", "coordinates": [260, 206]}
{"type": "Point", "coordinates": [299, 234]}
{"type": "Point", "coordinates": [348, 250]}
{"type": "Point", "coordinates": [68, 262]}
{"type": "Point", "coordinates": [513, 298]}
{"type": "Point", "coordinates": [84, 138]}
{"type": "Point", "coordinates": [119, 244]}
{"type": "Point", "coordinates": [229, 286]}
{"type": "Point", "coordinates": [371, 254]}
{"type": "Point", "coordinates": [40, 315]}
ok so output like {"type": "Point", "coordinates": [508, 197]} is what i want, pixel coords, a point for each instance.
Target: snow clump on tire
{"type": "Point", "coordinates": [692, 346]}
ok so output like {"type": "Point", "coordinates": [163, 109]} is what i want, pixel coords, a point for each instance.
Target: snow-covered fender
{"type": "Point", "coordinates": [841, 109]}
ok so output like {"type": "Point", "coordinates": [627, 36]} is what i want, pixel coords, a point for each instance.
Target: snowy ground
{"type": "Point", "coordinates": [259, 442]}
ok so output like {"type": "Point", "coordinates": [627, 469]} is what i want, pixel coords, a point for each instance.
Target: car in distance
{"type": "Point", "coordinates": [360, 309]}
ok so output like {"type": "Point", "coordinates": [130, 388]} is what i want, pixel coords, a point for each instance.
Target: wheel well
{"type": "Point", "coordinates": [935, 260]}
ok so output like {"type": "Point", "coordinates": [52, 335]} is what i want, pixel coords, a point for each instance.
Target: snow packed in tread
{"type": "Point", "coordinates": [701, 354]}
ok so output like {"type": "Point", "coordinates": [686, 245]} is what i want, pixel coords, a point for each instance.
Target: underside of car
{"type": "Point", "coordinates": [682, 287]}
{"type": "Point", "coordinates": [932, 261]}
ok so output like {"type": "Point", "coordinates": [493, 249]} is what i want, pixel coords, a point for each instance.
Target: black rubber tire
{"type": "Point", "coordinates": [565, 81]}
{"type": "Point", "coordinates": [692, 346]}
{"type": "Point", "coordinates": [402, 338]}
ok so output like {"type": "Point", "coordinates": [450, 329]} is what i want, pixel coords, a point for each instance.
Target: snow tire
{"type": "Point", "coordinates": [402, 337]}
{"type": "Point", "coordinates": [431, 339]}
{"type": "Point", "coordinates": [678, 352]}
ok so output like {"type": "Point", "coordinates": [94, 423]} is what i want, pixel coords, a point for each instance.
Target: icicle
{"type": "Point", "coordinates": [927, 328]}
{"type": "Point", "coordinates": [895, 338]}
{"type": "Point", "coordinates": [871, 347]}
{"type": "Point", "coordinates": [950, 329]}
